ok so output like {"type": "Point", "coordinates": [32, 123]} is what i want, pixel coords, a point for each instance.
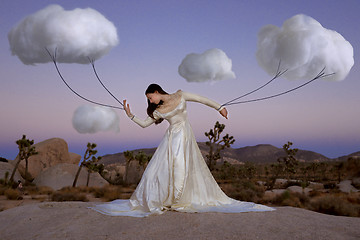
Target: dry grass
{"type": "Point", "coordinates": [69, 194]}
{"type": "Point", "coordinates": [108, 193]}
{"type": "Point", "coordinates": [292, 199]}
{"type": "Point", "coordinates": [334, 205]}
{"type": "Point", "coordinates": [60, 196]}
{"type": "Point", "coordinates": [244, 191]}
{"type": "Point", "coordinates": [12, 194]}
{"type": "Point", "coordinates": [42, 190]}
{"type": "Point", "coordinates": [2, 190]}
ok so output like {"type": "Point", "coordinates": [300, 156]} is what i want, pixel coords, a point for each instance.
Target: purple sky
{"type": "Point", "coordinates": [154, 38]}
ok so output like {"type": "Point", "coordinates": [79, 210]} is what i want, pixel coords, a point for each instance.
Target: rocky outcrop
{"type": "Point", "coordinates": [8, 167]}
{"type": "Point", "coordinates": [62, 175]}
{"type": "Point", "coordinates": [50, 153]}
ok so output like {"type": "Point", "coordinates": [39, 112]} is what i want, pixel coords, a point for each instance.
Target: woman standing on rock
{"type": "Point", "coordinates": [177, 177]}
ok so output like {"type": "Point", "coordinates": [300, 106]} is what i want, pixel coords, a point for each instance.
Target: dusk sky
{"type": "Point", "coordinates": [154, 37]}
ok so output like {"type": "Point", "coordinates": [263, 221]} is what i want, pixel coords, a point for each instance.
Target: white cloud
{"type": "Point", "coordinates": [76, 34]}
{"type": "Point", "coordinates": [212, 65]}
{"type": "Point", "coordinates": [92, 119]}
{"type": "Point", "coordinates": [304, 47]}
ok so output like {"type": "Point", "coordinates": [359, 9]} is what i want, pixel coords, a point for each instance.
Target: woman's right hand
{"type": "Point", "coordinates": [127, 109]}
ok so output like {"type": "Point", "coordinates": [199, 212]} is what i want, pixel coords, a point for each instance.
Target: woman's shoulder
{"type": "Point", "coordinates": [177, 94]}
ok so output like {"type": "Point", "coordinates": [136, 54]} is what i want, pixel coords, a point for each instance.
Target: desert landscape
{"type": "Point", "coordinates": [49, 207]}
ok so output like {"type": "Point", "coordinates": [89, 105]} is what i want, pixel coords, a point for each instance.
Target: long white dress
{"type": "Point", "coordinates": [177, 177]}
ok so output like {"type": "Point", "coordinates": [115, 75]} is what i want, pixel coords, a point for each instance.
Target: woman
{"type": "Point", "coordinates": [177, 177]}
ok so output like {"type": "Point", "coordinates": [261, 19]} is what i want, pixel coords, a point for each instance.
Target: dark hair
{"type": "Point", "coordinates": [152, 88]}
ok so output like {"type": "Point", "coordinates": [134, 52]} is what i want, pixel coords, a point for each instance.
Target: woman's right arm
{"type": "Point", "coordinates": [142, 123]}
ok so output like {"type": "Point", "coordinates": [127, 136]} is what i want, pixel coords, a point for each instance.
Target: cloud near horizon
{"type": "Point", "coordinates": [93, 119]}
{"type": "Point", "coordinates": [75, 35]}
{"type": "Point", "coordinates": [212, 65]}
{"type": "Point", "coordinates": [304, 47]}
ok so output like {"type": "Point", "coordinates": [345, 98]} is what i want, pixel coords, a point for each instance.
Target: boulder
{"type": "Point", "coordinates": [280, 183]}
{"type": "Point", "coordinates": [63, 175]}
{"type": "Point", "coordinates": [8, 167]}
{"type": "Point", "coordinates": [271, 194]}
{"type": "Point", "coordinates": [356, 181]}
{"type": "Point", "coordinates": [316, 186]}
{"type": "Point", "coordinates": [298, 189]}
{"type": "Point", "coordinates": [345, 186]}
{"type": "Point", "coordinates": [114, 173]}
{"type": "Point", "coordinates": [74, 158]}
{"type": "Point", "coordinates": [50, 153]}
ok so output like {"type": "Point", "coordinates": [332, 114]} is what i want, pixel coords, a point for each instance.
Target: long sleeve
{"type": "Point", "coordinates": [200, 99]}
{"type": "Point", "coordinates": [143, 123]}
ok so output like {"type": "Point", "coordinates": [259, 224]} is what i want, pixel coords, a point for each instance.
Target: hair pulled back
{"type": "Point", "coordinates": [152, 88]}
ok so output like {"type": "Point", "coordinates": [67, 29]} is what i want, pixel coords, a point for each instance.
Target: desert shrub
{"type": "Point", "coordinates": [315, 193]}
{"type": "Point", "coordinates": [330, 185]}
{"type": "Point", "coordinates": [292, 199]}
{"type": "Point", "coordinates": [109, 193]}
{"type": "Point", "coordinates": [41, 190]}
{"type": "Point", "coordinates": [353, 198]}
{"type": "Point", "coordinates": [2, 190]}
{"type": "Point", "coordinates": [45, 190]}
{"type": "Point", "coordinates": [12, 194]}
{"type": "Point", "coordinates": [62, 196]}
{"type": "Point", "coordinates": [334, 205]}
{"type": "Point", "coordinates": [244, 191]}
{"type": "Point", "coordinates": [85, 189]}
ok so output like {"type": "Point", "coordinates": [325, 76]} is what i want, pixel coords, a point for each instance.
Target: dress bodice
{"type": "Point", "coordinates": [177, 115]}
{"type": "Point", "coordinates": [178, 112]}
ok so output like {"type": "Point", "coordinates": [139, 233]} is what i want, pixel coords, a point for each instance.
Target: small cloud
{"type": "Point", "coordinates": [212, 65]}
{"type": "Point", "coordinates": [93, 119]}
{"type": "Point", "coordinates": [75, 35]}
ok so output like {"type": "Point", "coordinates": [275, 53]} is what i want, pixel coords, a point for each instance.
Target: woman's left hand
{"type": "Point", "coordinates": [127, 108]}
{"type": "Point", "coordinates": [224, 113]}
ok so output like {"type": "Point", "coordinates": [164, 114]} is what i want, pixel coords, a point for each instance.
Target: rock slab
{"type": "Point", "coordinates": [63, 175]}
{"type": "Point", "coordinates": [74, 220]}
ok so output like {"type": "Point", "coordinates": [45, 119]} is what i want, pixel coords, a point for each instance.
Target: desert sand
{"type": "Point", "coordinates": [74, 220]}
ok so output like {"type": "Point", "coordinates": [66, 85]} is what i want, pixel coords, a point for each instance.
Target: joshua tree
{"type": "Point", "coordinates": [338, 167]}
{"type": "Point", "coordinates": [93, 166]}
{"type": "Point", "coordinates": [26, 150]}
{"type": "Point", "coordinates": [215, 142]}
{"type": "Point", "coordinates": [90, 152]}
{"type": "Point", "coordinates": [289, 161]}
{"type": "Point", "coordinates": [143, 159]}
{"type": "Point", "coordinates": [129, 156]}
{"type": "Point", "coordinates": [276, 169]}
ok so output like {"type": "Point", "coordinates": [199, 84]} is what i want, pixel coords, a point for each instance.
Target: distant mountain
{"type": "Point", "coordinates": [120, 158]}
{"type": "Point", "coordinates": [266, 153]}
{"type": "Point", "coordinates": [262, 153]}
{"type": "Point", "coordinates": [344, 158]}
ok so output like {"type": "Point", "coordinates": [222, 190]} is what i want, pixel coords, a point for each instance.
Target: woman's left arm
{"type": "Point", "coordinates": [200, 99]}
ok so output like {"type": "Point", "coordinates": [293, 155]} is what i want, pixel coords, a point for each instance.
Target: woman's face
{"type": "Point", "coordinates": [154, 97]}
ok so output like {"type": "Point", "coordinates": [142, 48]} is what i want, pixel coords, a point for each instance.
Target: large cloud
{"type": "Point", "coordinates": [212, 65]}
{"type": "Point", "coordinates": [92, 119]}
{"type": "Point", "coordinates": [76, 34]}
{"type": "Point", "coordinates": [304, 48]}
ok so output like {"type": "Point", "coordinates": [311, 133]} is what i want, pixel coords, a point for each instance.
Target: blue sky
{"type": "Point", "coordinates": [154, 38]}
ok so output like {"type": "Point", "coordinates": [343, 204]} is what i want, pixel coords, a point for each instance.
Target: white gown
{"type": "Point", "coordinates": [177, 177]}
